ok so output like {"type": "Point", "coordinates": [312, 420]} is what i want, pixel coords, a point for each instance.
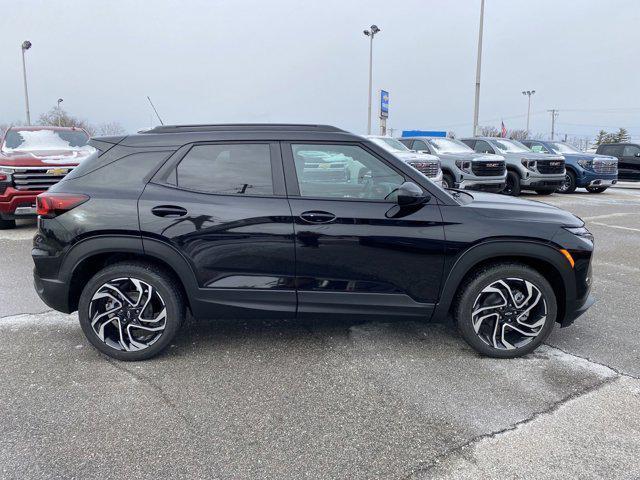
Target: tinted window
{"type": "Point", "coordinates": [484, 147]}
{"type": "Point", "coordinates": [630, 150]}
{"type": "Point", "coordinates": [610, 150]}
{"type": "Point", "coordinates": [420, 145]}
{"type": "Point", "coordinates": [469, 142]}
{"type": "Point", "coordinates": [343, 171]}
{"type": "Point", "coordinates": [227, 169]}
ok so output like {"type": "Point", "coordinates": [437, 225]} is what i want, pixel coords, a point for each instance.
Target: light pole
{"type": "Point", "coordinates": [370, 33]}
{"type": "Point", "coordinates": [528, 93]}
{"type": "Point", "coordinates": [476, 107]}
{"type": "Point", "coordinates": [26, 45]}
{"type": "Point", "coordinates": [60, 100]}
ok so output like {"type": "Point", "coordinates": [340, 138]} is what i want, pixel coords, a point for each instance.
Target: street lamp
{"type": "Point", "coordinates": [370, 33]}
{"type": "Point", "coordinates": [60, 100]}
{"type": "Point", "coordinates": [26, 45]}
{"type": "Point", "coordinates": [528, 93]}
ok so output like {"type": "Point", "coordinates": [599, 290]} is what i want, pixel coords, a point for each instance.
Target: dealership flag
{"type": "Point", "coordinates": [503, 132]}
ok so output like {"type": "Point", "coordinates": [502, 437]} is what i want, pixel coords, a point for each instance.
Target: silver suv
{"type": "Point", "coordinates": [428, 165]}
{"type": "Point", "coordinates": [461, 166]}
{"type": "Point", "coordinates": [526, 170]}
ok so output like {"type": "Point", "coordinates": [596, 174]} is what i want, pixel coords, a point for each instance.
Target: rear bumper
{"type": "Point", "coordinates": [17, 204]}
{"type": "Point", "coordinates": [52, 292]}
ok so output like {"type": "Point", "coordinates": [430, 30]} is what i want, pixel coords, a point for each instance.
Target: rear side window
{"type": "Point", "coordinates": [227, 169]}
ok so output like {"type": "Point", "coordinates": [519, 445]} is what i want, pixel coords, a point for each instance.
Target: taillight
{"type": "Point", "coordinates": [49, 204]}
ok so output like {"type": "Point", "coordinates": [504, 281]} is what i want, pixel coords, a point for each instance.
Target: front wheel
{"type": "Point", "coordinates": [596, 189]}
{"type": "Point", "coordinates": [131, 311]}
{"type": "Point", "coordinates": [7, 224]}
{"type": "Point", "coordinates": [512, 185]}
{"type": "Point", "coordinates": [447, 181]}
{"type": "Point", "coordinates": [505, 310]}
{"type": "Point", "coordinates": [569, 183]}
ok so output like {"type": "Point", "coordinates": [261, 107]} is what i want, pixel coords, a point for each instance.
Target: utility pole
{"type": "Point", "coordinates": [60, 100]}
{"type": "Point", "coordinates": [476, 108]}
{"type": "Point", "coordinates": [554, 115]}
{"type": "Point", "coordinates": [528, 93]}
{"type": "Point", "coordinates": [370, 33]}
{"type": "Point", "coordinates": [26, 45]}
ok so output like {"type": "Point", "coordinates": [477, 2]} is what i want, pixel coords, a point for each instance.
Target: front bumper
{"type": "Point", "coordinates": [537, 180]}
{"type": "Point", "coordinates": [580, 308]}
{"type": "Point", "coordinates": [482, 183]}
{"type": "Point", "coordinates": [18, 203]}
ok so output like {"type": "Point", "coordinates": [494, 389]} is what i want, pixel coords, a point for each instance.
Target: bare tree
{"type": "Point", "coordinates": [110, 129]}
{"type": "Point", "coordinates": [59, 117]}
{"type": "Point", "coordinates": [518, 134]}
{"type": "Point", "coordinates": [489, 131]}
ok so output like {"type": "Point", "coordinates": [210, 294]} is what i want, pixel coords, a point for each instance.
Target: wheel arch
{"type": "Point", "coordinates": [544, 258]}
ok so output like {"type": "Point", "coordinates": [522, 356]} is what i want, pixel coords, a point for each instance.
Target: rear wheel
{"type": "Point", "coordinates": [131, 311]}
{"type": "Point", "coordinates": [512, 185]}
{"type": "Point", "coordinates": [505, 310]}
{"type": "Point", "coordinates": [7, 224]}
{"type": "Point", "coordinates": [596, 189]}
{"type": "Point", "coordinates": [447, 180]}
{"type": "Point", "coordinates": [569, 184]}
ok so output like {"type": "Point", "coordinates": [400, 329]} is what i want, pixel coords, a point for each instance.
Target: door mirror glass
{"type": "Point", "coordinates": [408, 194]}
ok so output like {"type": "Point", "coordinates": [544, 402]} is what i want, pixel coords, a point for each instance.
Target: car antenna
{"type": "Point", "coordinates": [154, 109]}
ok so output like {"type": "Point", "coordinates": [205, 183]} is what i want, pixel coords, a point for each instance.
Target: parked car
{"type": "Point", "coordinates": [31, 160]}
{"type": "Point", "coordinates": [461, 166]}
{"type": "Point", "coordinates": [628, 155]}
{"type": "Point", "coordinates": [428, 165]}
{"type": "Point", "coordinates": [225, 221]}
{"type": "Point", "coordinates": [526, 170]}
{"type": "Point", "coordinates": [583, 170]}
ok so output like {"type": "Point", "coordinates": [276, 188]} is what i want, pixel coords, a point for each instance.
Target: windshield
{"type": "Point", "coordinates": [390, 144]}
{"type": "Point", "coordinates": [449, 145]}
{"type": "Point", "coordinates": [45, 140]}
{"type": "Point", "coordinates": [510, 146]}
{"type": "Point", "coordinates": [564, 148]}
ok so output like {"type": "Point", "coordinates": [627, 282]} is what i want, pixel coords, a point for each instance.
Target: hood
{"type": "Point", "coordinates": [471, 156]}
{"type": "Point", "coordinates": [43, 158]}
{"type": "Point", "coordinates": [494, 205]}
{"type": "Point", "coordinates": [409, 156]}
{"type": "Point", "coordinates": [588, 156]}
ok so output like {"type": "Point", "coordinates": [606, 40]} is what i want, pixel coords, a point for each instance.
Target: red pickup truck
{"type": "Point", "coordinates": [31, 160]}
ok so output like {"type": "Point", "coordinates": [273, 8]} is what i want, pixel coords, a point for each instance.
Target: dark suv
{"type": "Point", "coordinates": [228, 221]}
{"type": "Point", "coordinates": [628, 155]}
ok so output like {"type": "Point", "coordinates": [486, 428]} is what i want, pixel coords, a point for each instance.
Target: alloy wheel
{"type": "Point", "coordinates": [565, 184]}
{"type": "Point", "coordinates": [509, 313]}
{"type": "Point", "coordinates": [127, 314]}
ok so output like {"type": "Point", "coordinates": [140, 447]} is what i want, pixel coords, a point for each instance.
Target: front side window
{"type": "Point", "coordinates": [630, 151]}
{"type": "Point", "coordinates": [227, 169]}
{"type": "Point", "coordinates": [483, 147]}
{"type": "Point", "coordinates": [342, 171]}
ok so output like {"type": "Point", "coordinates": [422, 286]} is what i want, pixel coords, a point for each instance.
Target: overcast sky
{"type": "Point", "coordinates": [221, 61]}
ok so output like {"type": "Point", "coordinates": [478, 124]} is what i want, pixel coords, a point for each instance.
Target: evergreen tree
{"type": "Point", "coordinates": [622, 136]}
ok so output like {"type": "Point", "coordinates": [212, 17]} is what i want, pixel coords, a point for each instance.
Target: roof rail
{"type": "Point", "coordinates": [242, 126]}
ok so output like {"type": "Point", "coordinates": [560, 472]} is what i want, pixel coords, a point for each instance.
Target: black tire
{"type": "Point", "coordinates": [569, 185]}
{"type": "Point", "coordinates": [545, 192]}
{"type": "Point", "coordinates": [471, 291]}
{"type": "Point", "coordinates": [447, 180]}
{"type": "Point", "coordinates": [596, 189]}
{"type": "Point", "coordinates": [164, 285]}
{"type": "Point", "coordinates": [512, 184]}
{"type": "Point", "coordinates": [7, 224]}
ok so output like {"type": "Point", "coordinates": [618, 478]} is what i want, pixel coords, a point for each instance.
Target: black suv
{"type": "Point", "coordinates": [628, 158]}
{"type": "Point", "coordinates": [234, 221]}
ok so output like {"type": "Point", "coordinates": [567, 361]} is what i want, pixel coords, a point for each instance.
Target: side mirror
{"type": "Point", "coordinates": [409, 194]}
{"type": "Point", "coordinates": [638, 154]}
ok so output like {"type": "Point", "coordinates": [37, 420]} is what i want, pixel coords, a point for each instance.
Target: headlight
{"type": "Point", "coordinates": [580, 232]}
{"type": "Point", "coordinates": [586, 163]}
{"type": "Point", "coordinates": [529, 164]}
{"type": "Point", "coordinates": [5, 174]}
{"type": "Point", "coordinates": [465, 166]}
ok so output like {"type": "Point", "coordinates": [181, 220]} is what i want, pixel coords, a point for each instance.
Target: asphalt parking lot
{"type": "Point", "coordinates": [332, 399]}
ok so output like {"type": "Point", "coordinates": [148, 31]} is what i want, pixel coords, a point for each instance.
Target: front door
{"type": "Point", "coordinates": [353, 255]}
{"type": "Point", "coordinates": [222, 207]}
{"type": "Point", "coordinates": [629, 164]}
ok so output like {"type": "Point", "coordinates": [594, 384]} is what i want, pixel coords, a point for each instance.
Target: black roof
{"type": "Point", "coordinates": [235, 127]}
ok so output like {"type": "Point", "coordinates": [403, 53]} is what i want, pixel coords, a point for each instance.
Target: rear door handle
{"type": "Point", "coordinates": [317, 216]}
{"type": "Point", "coordinates": [169, 211]}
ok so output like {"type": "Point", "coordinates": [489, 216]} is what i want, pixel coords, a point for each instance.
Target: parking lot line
{"type": "Point", "coordinates": [617, 226]}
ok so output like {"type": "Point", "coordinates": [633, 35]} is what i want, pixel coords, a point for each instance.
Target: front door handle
{"type": "Point", "coordinates": [317, 216]}
{"type": "Point", "coordinates": [169, 211]}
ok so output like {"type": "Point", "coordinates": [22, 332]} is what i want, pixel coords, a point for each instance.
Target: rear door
{"type": "Point", "coordinates": [352, 254]}
{"type": "Point", "coordinates": [221, 207]}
